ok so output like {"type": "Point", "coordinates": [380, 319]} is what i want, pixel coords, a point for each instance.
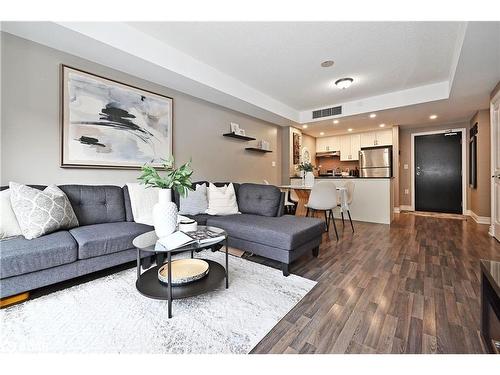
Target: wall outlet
{"type": "Point", "coordinates": [407, 191]}
{"type": "Point", "coordinates": [273, 164]}
{"type": "Point", "coordinates": [405, 166]}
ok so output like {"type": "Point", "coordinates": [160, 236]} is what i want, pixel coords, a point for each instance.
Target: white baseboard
{"type": "Point", "coordinates": [406, 208]}
{"type": "Point", "coordinates": [396, 210]}
{"type": "Point", "coordinates": [479, 219]}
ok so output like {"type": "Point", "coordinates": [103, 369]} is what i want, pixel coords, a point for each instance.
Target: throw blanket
{"type": "Point", "coordinates": [142, 200]}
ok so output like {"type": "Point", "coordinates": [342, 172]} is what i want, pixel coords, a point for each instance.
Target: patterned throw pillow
{"type": "Point", "coordinates": [41, 212]}
{"type": "Point", "coordinates": [222, 200]}
{"type": "Point", "coordinates": [196, 201]}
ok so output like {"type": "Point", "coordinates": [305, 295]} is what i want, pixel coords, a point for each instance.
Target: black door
{"type": "Point", "coordinates": [438, 173]}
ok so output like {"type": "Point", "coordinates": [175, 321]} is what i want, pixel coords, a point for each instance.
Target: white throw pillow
{"type": "Point", "coordinates": [196, 201]}
{"type": "Point", "coordinates": [41, 212]}
{"type": "Point", "coordinates": [222, 200]}
{"type": "Point", "coordinates": [9, 227]}
{"type": "Point", "coordinates": [142, 201]}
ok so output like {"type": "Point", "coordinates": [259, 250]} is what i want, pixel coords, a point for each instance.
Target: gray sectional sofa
{"type": "Point", "coordinates": [107, 228]}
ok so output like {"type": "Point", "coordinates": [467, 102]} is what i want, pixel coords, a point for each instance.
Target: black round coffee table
{"type": "Point", "coordinates": [148, 284]}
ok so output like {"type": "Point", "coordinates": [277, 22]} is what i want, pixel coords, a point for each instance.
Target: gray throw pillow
{"type": "Point", "coordinates": [196, 201]}
{"type": "Point", "coordinates": [41, 212]}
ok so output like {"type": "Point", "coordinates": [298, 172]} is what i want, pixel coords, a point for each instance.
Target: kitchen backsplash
{"type": "Point", "coordinates": [334, 163]}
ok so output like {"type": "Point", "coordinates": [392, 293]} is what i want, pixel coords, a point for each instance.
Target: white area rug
{"type": "Point", "coordinates": [109, 315]}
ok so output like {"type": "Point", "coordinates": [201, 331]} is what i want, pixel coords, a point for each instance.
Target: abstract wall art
{"type": "Point", "coordinates": [108, 124]}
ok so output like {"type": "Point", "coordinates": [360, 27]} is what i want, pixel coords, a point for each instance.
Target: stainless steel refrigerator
{"type": "Point", "coordinates": [375, 162]}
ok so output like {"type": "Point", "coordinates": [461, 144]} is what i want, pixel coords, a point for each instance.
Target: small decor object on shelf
{"type": "Point", "coordinates": [307, 169]}
{"type": "Point", "coordinates": [235, 128]}
{"type": "Point", "coordinates": [179, 179]}
{"type": "Point", "coordinates": [241, 132]}
{"type": "Point", "coordinates": [264, 145]}
{"type": "Point", "coordinates": [184, 271]}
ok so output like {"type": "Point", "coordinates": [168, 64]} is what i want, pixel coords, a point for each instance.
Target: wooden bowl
{"type": "Point", "coordinates": [184, 271]}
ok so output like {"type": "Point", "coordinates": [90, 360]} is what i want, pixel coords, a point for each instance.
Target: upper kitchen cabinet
{"type": "Point", "coordinates": [350, 146]}
{"type": "Point", "coordinates": [327, 144]}
{"type": "Point", "coordinates": [377, 138]}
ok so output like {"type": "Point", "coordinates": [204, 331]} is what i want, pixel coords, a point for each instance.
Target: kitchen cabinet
{"type": "Point", "coordinates": [327, 144]}
{"type": "Point", "coordinates": [350, 146]}
{"type": "Point", "coordinates": [376, 138]}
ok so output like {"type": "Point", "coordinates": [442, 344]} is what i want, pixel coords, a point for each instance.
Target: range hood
{"type": "Point", "coordinates": [327, 154]}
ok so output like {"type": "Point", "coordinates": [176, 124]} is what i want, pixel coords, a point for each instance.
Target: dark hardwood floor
{"type": "Point", "coordinates": [411, 287]}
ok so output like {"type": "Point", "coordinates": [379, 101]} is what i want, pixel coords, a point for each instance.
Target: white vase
{"type": "Point", "coordinates": [164, 214]}
{"type": "Point", "coordinates": [309, 179]}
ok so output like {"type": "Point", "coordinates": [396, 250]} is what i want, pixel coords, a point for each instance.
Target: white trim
{"type": "Point", "coordinates": [396, 210]}
{"type": "Point", "coordinates": [464, 164]}
{"type": "Point", "coordinates": [494, 133]}
{"type": "Point", "coordinates": [478, 219]}
{"type": "Point", "coordinates": [405, 208]}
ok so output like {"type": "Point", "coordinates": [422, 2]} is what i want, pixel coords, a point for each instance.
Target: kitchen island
{"type": "Point", "coordinates": [372, 199]}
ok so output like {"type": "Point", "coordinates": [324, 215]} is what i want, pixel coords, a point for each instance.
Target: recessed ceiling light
{"type": "Point", "coordinates": [373, 115]}
{"type": "Point", "coordinates": [349, 130]}
{"type": "Point", "coordinates": [327, 63]}
{"type": "Point", "coordinates": [382, 125]}
{"type": "Point", "coordinates": [321, 133]}
{"type": "Point", "coordinates": [304, 126]}
{"type": "Point", "coordinates": [433, 117]}
{"type": "Point", "coordinates": [335, 121]}
{"type": "Point", "coordinates": [344, 83]}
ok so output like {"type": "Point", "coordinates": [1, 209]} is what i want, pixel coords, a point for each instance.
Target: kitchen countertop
{"type": "Point", "coordinates": [340, 177]}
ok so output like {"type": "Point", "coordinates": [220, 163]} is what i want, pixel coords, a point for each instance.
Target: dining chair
{"type": "Point", "coordinates": [323, 197]}
{"type": "Point", "coordinates": [349, 185]}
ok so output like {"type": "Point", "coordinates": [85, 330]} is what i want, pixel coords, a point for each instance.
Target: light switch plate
{"type": "Point", "coordinates": [407, 191]}
{"type": "Point", "coordinates": [405, 166]}
{"type": "Point", "coordinates": [273, 164]}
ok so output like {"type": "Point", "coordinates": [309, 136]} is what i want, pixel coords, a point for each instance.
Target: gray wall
{"type": "Point", "coordinates": [30, 125]}
{"type": "Point", "coordinates": [480, 197]}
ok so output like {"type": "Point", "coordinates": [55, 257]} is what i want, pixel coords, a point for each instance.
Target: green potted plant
{"type": "Point", "coordinates": [307, 173]}
{"type": "Point", "coordinates": [177, 179]}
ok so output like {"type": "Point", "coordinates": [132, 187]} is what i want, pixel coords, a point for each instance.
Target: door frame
{"type": "Point", "coordinates": [464, 163]}
{"type": "Point", "coordinates": [494, 132]}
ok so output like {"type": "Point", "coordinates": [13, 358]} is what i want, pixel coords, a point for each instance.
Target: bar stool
{"type": "Point", "coordinates": [289, 206]}
{"type": "Point", "coordinates": [323, 197]}
{"type": "Point", "coordinates": [349, 185]}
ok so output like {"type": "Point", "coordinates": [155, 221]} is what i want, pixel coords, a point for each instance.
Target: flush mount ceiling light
{"type": "Point", "coordinates": [321, 133]}
{"type": "Point", "coordinates": [349, 130]}
{"type": "Point", "coordinates": [327, 63]}
{"type": "Point", "coordinates": [344, 83]}
{"type": "Point", "coordinates": [382, 125]}
{"type": "Point", "coordinates": [304, 126]}
{"type": "Point", "coordinates": [373, 115]}
{"type": "Point", "coordinates": [433, 117]}
{"type": "Point", "coordinates": [335, 121]}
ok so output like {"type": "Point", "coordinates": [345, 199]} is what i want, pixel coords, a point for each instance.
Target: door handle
{"type": "Point", "coordinates": [418, 171]}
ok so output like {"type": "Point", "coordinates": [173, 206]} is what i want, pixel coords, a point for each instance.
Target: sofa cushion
{"type": "Point", "coordinates": [19, 255]}
{"type": "Point", "coordinates": [196, 201]}
{"type": "Point", "coordinates": [258, 199]}
{"type": "Point", "coordinates": [96, 204]}
{"type": "Point", "coordinates": [100, 239]}
{"type": "Point", "coordinates": [222, 200]}
{"type": "Point", "coordinates": [41, 212]}
{"type": "Point", "coordinates": [284, 232]}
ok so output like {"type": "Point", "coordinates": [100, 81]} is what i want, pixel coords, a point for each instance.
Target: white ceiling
{"type": "Point", "coordinates": [403, 70]}
{"type": "Point", "coordinates": [477, 72]}
{"type": "Point", "coordinates": [282, 59]}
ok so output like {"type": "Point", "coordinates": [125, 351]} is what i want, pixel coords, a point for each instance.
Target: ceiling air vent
{"type": "Point", "coordinates": [325, 112]}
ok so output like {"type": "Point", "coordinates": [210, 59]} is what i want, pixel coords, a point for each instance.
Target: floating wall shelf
{"type": "Point", "coordinates": [256, 149]}
{"type": "Point", "coordinates": [237, 136]}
